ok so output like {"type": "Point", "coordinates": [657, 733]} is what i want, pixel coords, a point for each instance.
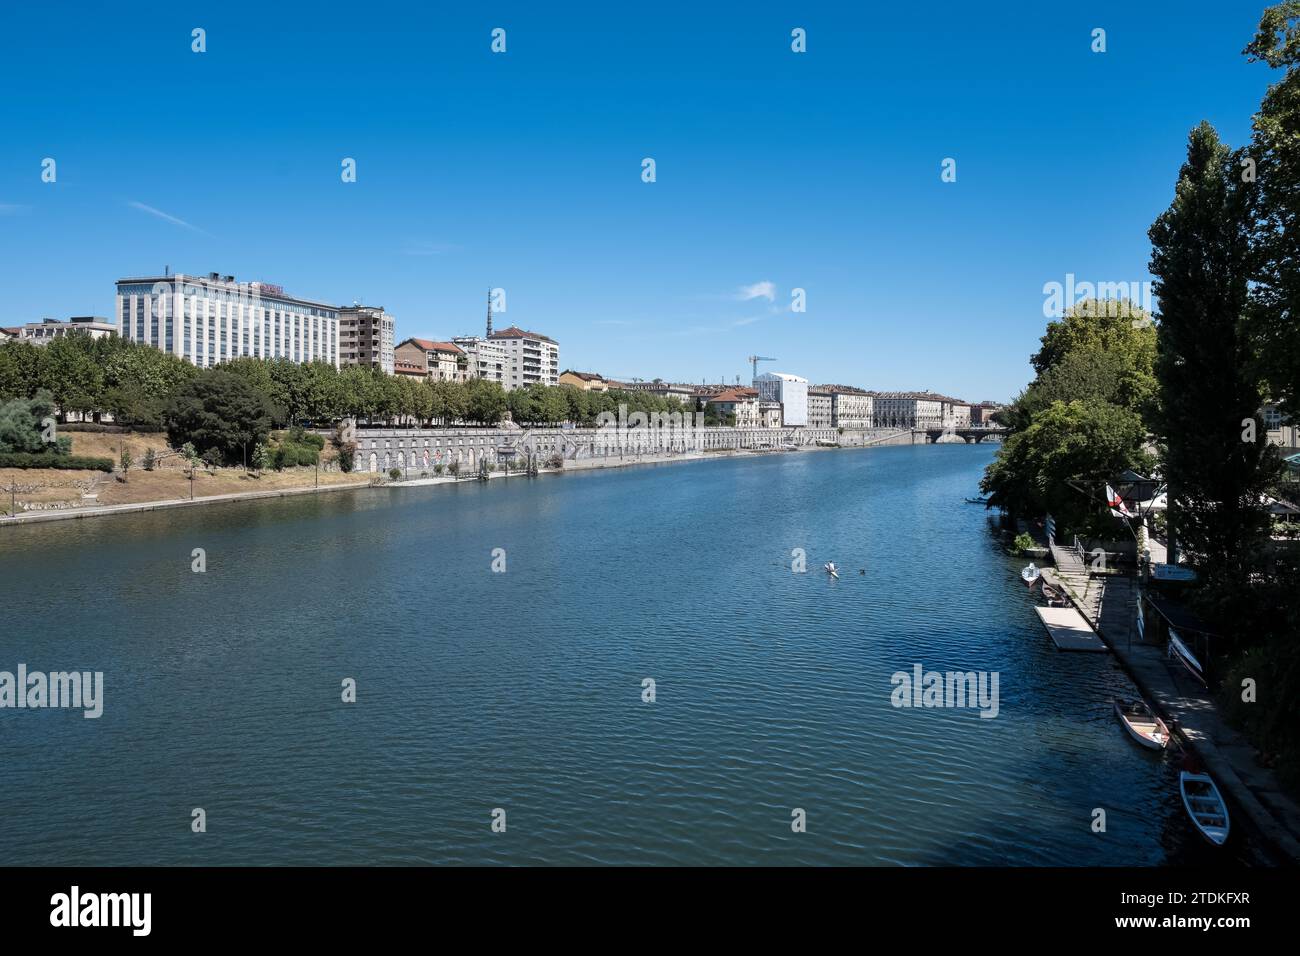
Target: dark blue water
{"type": "Point", "coordinates": [523, 690]}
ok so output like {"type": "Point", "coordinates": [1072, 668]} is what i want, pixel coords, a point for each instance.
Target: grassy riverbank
{"type": "Point", "coordinates": [43, 490]}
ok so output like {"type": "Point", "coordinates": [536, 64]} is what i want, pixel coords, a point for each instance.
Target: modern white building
{"type": "Point", "coordinates": [790, 390]}
{"type": "Point", "coordinates": [212, 319]}
{"type": "Point", "coordinates": [531, 358]}
{"type": "Point", "coordinates": [366, 337]}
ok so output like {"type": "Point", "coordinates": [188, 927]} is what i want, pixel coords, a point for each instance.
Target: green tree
{"type": "Point", "coordinates": [1215, 455]}
{"type": "Point", "coordinates": [1275, 210]}
{"type": "Point", "coordinates": [486, 402]}
{"type": "Point", "coordinates": [219, 410]}
{"type": "Point", "coordinates": [19, 370]}
{"type": "Point", "coordinates": [1065, 452]}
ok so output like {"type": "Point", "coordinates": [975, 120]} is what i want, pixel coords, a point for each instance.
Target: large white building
{"type": "Point", "coordinates": [531, 358]}
{"type": "Point", "coordinates": [790, 390]}
{"type": "Point", "coordinates": [212, 319]}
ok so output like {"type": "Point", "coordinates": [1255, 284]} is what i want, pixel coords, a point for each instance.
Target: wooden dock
{"type": "Point", "coordinates": [1069, 630]}
{"type": "Point", "coordinates": [1108, 603]}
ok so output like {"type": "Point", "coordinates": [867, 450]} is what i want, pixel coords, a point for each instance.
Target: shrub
{"type": "Point", "coordinates": [150, 459]}
{"type": "Point", "coordinates": [394, 473]}
{"type": "Point", "coordinates": [300, 436]}
{"type": "Point", "coordinates": [437, 469]}
{"type": "Point", "coordinates": [1024, 542]}
{"type": "Point", "coordinates": [348, 456]}
{"type": "Point", "coordinates": [21, 459]}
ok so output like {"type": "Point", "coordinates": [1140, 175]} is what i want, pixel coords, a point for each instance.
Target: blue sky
{"type": "Point", "coordinates": [523, 171]}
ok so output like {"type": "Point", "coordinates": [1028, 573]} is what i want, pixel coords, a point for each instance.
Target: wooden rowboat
{"type": "Point", "coordinates": [1142, 724]}
{"type": "Point", "coordinates": [1054, 597]}
{"type": "Point", "coordinates": [1205, 806]}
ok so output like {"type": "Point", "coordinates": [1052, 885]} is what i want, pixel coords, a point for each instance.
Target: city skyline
{"type": "Point", "coordinates": [775, 171]}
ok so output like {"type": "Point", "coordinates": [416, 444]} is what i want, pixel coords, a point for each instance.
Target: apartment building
{"type": "Point", "coordinates": [366, 337]}
{"type": "Point", "coordinates": [821, 406]}
{"type": "Point", "coordinates": [441, 361]}
{"type": "Point", "coordinates": [485, 358]}
{"type": "Point", "coordinates": [850, 407]}
{"type": "Point", "coordinates": [530, 358]}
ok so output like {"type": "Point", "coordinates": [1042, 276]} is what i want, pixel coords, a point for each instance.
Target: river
{"type": "Point", "coordinates": [522, 689]}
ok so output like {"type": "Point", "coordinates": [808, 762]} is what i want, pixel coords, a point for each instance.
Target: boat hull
{"type": "Point", "coordinates": [1204, 804]}
{"type": "Point", "coordinates": [1139, 733]}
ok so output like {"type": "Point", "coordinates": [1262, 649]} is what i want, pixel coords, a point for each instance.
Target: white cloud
{"type": "Point", "coordinates": [165, 216]}
{"type": "Point", "coordinates": [759, 290]}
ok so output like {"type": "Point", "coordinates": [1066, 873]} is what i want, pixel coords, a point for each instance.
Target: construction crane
{"type": "Point", "coordinates": [755, 359]}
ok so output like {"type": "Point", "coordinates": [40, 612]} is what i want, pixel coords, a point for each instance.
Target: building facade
{"type": "Point", "coordinates": [742, 403]}
{"type": "Point", "coordinates": [212, 319]}
{"type": "Point", "coordinates": [485, 358]}
{"type": "Point", "coordinates": [850, 407]}
{"type": "Point", "coordinates": [531, 358]}
{"type": "Point", "coordinates": [46, 330]}
{"type": "Point", "coordinates": [366, 337]}
{"type": "Point", "coordinates": [586, 381]}
{"type": "Point", "coordinates": [677, 391]}
{"type": "Point", "coordinates": [442, 361]}
{"type": "Point", "coordinates": [821, 406]}
{"type": "Point", "coordinates": [907, 410]}
{"type": "Point", "coordinates": [790, 391]}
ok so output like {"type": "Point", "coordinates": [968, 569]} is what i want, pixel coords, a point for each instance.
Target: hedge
{"type": "Point", "coordinates": [22, 459]}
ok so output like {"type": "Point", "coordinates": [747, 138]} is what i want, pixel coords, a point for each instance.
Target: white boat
{"type": "Point", "coordinates": [1205, 806]}
{"type": "Point", "coordinates": [1185, 656]}
{"type": "Point", "coordinates": [1142, 724]}
{"type": "Point", "coordinates": [831, 569]}
{"type": "Point", "coordinates": [1030, 574]}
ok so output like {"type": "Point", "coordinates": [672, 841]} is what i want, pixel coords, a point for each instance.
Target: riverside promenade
{"type": "Point", "coordinates": [1109, 602]}
{"type": "Point", "coordinates": [368, 480]}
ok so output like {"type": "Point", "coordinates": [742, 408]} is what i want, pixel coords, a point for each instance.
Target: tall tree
{"type": "Point", "coordinates": [1215, 455]}
{"type": "Point", "coordinates": [1275, 155]}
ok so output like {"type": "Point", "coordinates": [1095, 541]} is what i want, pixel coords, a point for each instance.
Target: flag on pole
{"type": "Point", "coordinates": [1116, 504]}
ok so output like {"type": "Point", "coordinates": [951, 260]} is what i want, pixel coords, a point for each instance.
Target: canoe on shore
{"type": "Point", "coordinates": [1205, 806]}
{"type": "Point", "coordinates": [1184, 655]}
{"type": "Point", "coordinates": [1142, 724]}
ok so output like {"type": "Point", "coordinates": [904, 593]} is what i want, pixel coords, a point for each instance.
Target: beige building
{"type": "Point", "coordinates": [586, 381]}
{"type": "Point", "coordinates": [683, 393]}
{"type": "Point", "coordinates": [530, 358]}
{"type": "Point", "coordinates": [38, 333]}
{"type": "Point", "coordinates": [442, 361]}
{"type": "Point", "coordinates": [366, 337]}
{"type": "Point", "coordinates": [907, 410]}
{"type": "Point", "coordinates": [739, 402]}
{"type": "Point", "coordinates": [850, 407]}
